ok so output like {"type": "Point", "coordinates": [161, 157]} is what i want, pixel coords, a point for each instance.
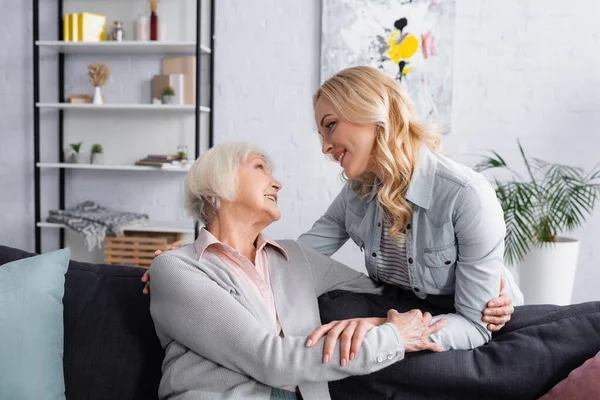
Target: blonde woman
{"type": "Point", "coordinates": [430, 228]}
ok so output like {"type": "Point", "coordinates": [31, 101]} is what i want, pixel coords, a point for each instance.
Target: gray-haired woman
{"type": "Point", "coordinates": [234, 309]}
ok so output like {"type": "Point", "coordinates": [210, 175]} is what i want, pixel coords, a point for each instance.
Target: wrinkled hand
{"type": "Point", "coordinates": [351, 333]}
{"type": "Point", "coordinates": [498, 310]}
{"type": "Point", "coordinates": [415, 329]}
{"type": "Point", "coordinates": [146, 276]}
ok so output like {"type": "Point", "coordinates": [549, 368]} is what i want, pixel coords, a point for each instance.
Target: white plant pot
{"type": "Point", "coordinates": [169, 99]}
{"type": "Point", "coordinates": [547, 273]}
{"type": "Point", "coordinates": [81, 158]}
{"type": "Point", "coordinates": [97, 158]}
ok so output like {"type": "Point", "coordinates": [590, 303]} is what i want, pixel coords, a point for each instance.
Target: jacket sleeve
{"type": "Point", "coordinates": [329, 274]}
{"type": "Point", "coordinates": [192, 309]}
{"type": "Point", "coordinates": [479, 228]}
{"type": "Point", "coordinates": [328, 233]}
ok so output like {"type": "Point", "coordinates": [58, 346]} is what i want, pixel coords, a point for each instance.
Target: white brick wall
{"type": "Point", "coordinates": [523, 69]}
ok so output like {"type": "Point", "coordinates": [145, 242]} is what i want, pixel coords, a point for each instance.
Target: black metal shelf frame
{"type": "Point", "coordinates": [61, 96]}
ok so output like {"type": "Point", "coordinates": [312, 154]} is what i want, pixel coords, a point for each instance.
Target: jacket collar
{"type": "Point", "coordinates": [420, 189]}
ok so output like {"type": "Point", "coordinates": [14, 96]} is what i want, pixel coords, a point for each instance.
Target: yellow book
{"type": "Point", "coordinates": [67, 28]}
{"type": "Point", "coordinates": [92, 27]}
{"type": "Point", "coordinates": [74, 27]}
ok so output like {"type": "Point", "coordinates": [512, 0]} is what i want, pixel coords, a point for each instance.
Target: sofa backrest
{"type": "Point", "coordinates": [111, 348]}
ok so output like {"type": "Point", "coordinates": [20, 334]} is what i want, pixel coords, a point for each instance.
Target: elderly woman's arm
{"type": "Point", "coordinates": [190, 308]}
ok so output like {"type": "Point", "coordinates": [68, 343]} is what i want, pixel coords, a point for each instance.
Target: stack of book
{"type": "Point", "coordinates": [164, 161]}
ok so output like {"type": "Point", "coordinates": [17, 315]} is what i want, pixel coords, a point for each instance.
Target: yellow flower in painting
{"type": "Point", "coordinates": [406, 70]}
{"type": "Point", "coordinates": [403, 50]}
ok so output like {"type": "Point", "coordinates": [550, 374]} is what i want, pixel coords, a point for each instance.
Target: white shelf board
{"type": "Point", "coordinates": [125, 47]}
{"type": "Point", "coordinates": [151, 226]}
{"type": "Point", "coordinates": [123, 107]}
{"type": "Point", "coordinates": [110, 167]}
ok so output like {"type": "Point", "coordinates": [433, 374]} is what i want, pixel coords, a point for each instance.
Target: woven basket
{"type": "Point", "coordinates": [137, 248]}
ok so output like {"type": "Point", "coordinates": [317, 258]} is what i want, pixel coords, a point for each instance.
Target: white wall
{"type": "Point", "coordinates": [522, 69]}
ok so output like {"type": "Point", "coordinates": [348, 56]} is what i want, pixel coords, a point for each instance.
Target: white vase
{"type": "Point", "coordinates": [169, 99]}
{"type": "Point", "coordinates": [547, 273]}
{"type": "Point", "coordinates": [98, 96]}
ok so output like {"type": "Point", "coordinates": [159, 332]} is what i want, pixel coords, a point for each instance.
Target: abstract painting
{"type": "Point", "coordinates": [410, 40]}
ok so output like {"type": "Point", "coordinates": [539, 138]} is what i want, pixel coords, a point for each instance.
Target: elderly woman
{"type": "Point", "coordinates": [234, 309]}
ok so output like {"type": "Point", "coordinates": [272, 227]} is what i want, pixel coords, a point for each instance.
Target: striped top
{"type": "Point", "coordinates": [392, 267]}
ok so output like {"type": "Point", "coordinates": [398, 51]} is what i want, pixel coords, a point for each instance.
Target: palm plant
{"type": "Point", "coordinates": [555, 198]}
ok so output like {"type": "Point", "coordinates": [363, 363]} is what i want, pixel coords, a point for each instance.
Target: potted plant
{"type": "Point", "coordinates": [76, 156]}
{"type": "Point", "coordinates": [97, 154]}
{"type": "Point", "coordinates": [551, 200]}
{"type": "Point", "coordinates": [168, 95]}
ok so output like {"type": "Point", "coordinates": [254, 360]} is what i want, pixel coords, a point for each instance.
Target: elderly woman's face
{"type": "Point", "coordinates": [257, 189]}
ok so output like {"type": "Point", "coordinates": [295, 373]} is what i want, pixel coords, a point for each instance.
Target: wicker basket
{"type": "Point", "coordinates": [137, 248]}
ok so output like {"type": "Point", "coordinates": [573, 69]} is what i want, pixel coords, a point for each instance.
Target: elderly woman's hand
{"type": "Point", "coordinates": [415, 328]}
{"type": "Point", "coordinates": [146, 276]}
{"type": "Point", "coordinates": [352, 332]}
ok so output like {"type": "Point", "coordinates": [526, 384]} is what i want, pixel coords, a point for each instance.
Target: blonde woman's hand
{"type": "Point", "coordinates": [499, 310]}
{"type": "Point", "coordinates": [146, 276]}
{"type": "Point", "coordinates": [350, 332]}
{"type": "Point", "coordinates": [415, 329]}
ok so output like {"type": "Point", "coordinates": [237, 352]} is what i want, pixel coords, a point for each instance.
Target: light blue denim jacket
{"type": "Point", "coordinates": [455, 241]}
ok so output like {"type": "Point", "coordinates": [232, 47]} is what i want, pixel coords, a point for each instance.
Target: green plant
{"type": "Point", "coordinates": [97, 148]}
{"type": "Point", "coordinates": [168, 91]}
{"type": "Point", "coordinates": [76, 146]}
{"type": "Point", "coordinates": [555, 198]}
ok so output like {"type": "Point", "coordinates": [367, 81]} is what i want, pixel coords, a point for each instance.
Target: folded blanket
{"type": "Point", "coordinates": [95, 222]}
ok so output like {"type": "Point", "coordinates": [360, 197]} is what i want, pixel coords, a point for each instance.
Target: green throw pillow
{"type": "Point", "coordinates": [31, 327]}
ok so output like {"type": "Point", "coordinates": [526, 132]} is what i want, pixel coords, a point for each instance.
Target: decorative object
{"type": "Point", "coordinates": [182, 152]}
{"type": "Point", "coordinates": [555, 198]}
{"type": "Point", "coordinates": [84, 27]}
{"type": "Point", "coordinates": [32, 333]}
{"type": "Point", "coordinates": [97, 154]}
{"type": "Point", "coordinates": [176, 81]}
{"type": "Point", "coordinates": [411, 41]}
{"type": "Point", "coordinates": [168, 95]}
{"type": "Point", "coordinates": [187, 67]}
{"type": "Point", "coordinates": [99, 74]}
{"type": "Point", "coordinates": [76, 155]}
{"type": "Point", "coordinates": [80, 98]}
{"type": "Point", "coordinates": [117, 33]}
{"type": "Point", "coordinates": [94, 221]}
{"type": "Point", "coordinates": [153, 19]}
{"type": "Point", "coordinates": [137, 248]}
{"type": "Point", "coordinates": [162, 28]}
{"type": "Point", "coordinates": [141, 28]}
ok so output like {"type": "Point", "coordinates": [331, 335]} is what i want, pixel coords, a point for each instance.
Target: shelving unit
{"type": "Point", "coordinates": [128, 48]}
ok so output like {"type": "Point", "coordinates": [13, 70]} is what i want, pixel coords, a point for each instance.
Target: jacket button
{"type": "Point", "coordinates": [389, 356]}
{"type": "Point", "coordinates": [379, 224]}
{"type": "Point", "coordinates": [374, 254]}
{"type": "Point", "coordinates": [408, 226]}
{"type": "Point", "coordinates": [448, 262]}
{"type": "Point", "coordinates": [379, 359]}
{"type": "Point", "coordinates": [410, 260]}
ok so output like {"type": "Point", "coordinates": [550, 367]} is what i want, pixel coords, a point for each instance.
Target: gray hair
{"type": "Point", "coordinates": [213, 178]}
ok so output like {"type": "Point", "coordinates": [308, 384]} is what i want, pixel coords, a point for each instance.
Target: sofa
{"type": "Point", "coordinates": [111, 350]}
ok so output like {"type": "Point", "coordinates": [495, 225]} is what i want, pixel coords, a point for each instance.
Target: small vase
{"type": "Point", "coordinates": [153, 26]}
{"type": "Point", "coordinates": [97, 158]}
{"type": "Point", "coordinates": [98, 96]}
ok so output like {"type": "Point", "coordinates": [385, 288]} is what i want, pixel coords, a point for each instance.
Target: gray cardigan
{"type": "Point", "coordinates": [218, 336]}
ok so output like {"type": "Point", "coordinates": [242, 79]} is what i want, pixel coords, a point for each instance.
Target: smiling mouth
{"type": "Point", "coordinates": [340, 157]}
{"type": "Point", "coordinates": [272, 197]}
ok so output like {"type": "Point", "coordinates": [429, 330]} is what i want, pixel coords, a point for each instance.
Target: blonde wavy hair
{"type": "Point", "coordinates": [366, 96]}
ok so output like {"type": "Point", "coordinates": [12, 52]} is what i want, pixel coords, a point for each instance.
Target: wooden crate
{"type": "Point", "coordinates": [137, 248]}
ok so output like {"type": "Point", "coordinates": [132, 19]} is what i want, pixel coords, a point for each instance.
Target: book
{"type": "Point", "coordinates": [67, 34]}
{"type": "Point", "coordinates": [91, 27]}
{"type": "Point", "coordinates": [187, 67]}
{"type": "Point", "coordinates": [176, 81]}
{"type": "Point", "coordinates": [164, 156]}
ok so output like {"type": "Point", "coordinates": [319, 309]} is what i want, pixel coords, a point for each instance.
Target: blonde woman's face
{"type": "Point", "coordinates": [349, 144]}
